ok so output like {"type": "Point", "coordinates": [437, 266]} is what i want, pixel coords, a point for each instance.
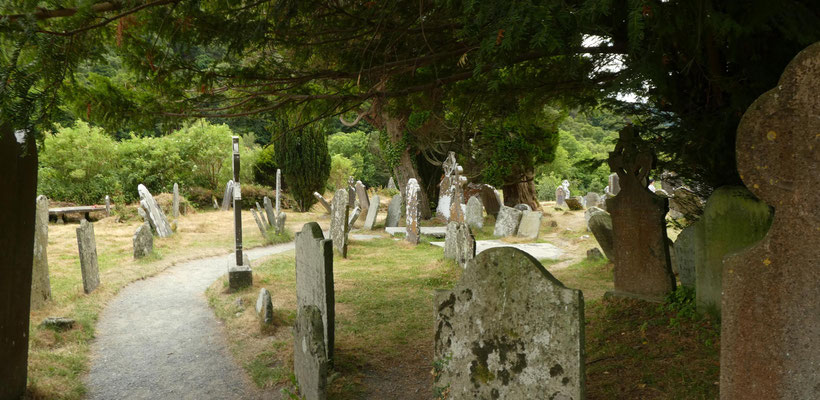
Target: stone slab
{"type": "Point", "coordinates": [154, 212]}
{"type": "Point", "coordinates": [239, 276]}
{"type": "Point", "coordinates": [310, 363]}
{"type": "Point", "coordinates": [393, 212]}
{"type": "Point", "coordinates": [474, 214]}
{"type": "Point", "coordinates": [314, 278]}
{"type": "Point", "coordinates": [322, 201]}
{"type": "Point", "coordinates": [507, 222]}
{"type": "Point", "coordinates": [339, 222]}
{"type": "Point", "coordinates": [264, 307]}
{"type": "Point", "coordinates": [434, 231]}
{"type": "Point", "coordinates": [539, 251]}
{"type": "Point", "coordinates": [413, 214]}
{"type": "Point", "coordinates": [87, 246]}
{"type": "Point", "coordinates": [143, 241]}
{"type": "Point", "coordinates": [40, 282]}
{"type": "Point", "coordinates": [372, 212]}
{"type": "Point", "coordinates": [530, 224]}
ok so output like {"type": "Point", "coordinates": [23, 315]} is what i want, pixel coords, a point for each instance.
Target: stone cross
{"type": "Point", "coordinates": [239, 270]}
{"type": "Point", "coordinates": [769, 347]}
{"type": "Point", "coordinates": [642, 261]}
{"type": "Point", "coordinates": [339, 222]}
{"type": "Point", "coordinates": [278, 190]}
{"type": "Point", "coordinates": [509, 330]}
{"type": "Point", "coordinates": [175, 207]}
{"type": "Point", "coordinates": [314, 278]}
{"type": "Point", "coordinates": [40, 282]}
{"type": "Point", "coordinates": [413, 228]}
{"type": "Point", "coordinates": [87, 246]}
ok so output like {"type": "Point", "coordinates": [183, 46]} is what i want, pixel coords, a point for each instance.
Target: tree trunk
{"type": "Point", "coordinates": [18, 163]}
{"type": "Point", "coordinates": [521, 192]}
{"type": "Point", "coordinates": [405, 168]}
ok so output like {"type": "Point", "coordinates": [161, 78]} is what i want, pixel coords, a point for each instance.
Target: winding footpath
{"type": "Point", "coordinates": [158, 339]}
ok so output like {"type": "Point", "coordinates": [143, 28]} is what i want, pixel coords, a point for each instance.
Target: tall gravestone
{"type": "Point", "coordinates": [560, 196]}
{"type": "Point", "coordinates": [490, 200]}
{"type": "Point", "coordinates": [475, 213]}
{"type": "Point", "coordinates": [87, 246]}
{"type": "Point", "coordinates": [361, 193]}
{"type": "Point", "coordinates": [447, 186]}
{"type": "Point", "coordinates": [351, 192]}
{"type": "Point", "coordinates": [530, 224]}
{"type": "Point", "coordinates": [269, 210]}
{"type": "Point", "coordinates": [228, 196]}
{"type": "Point", "coordinates": [600, 224]}
{"type": "Point", "coordinates": [338, 222]}
{"type": "Point", "coordinates": [143, 241]}
{"type": "Point", "coordinates": [769, 346]}
{"type": "Point", "coordinates": [175, 204]}
{"type": "Point", "coordinates": [154, 212]}
{"type": "Point", "coordinates": [689, 252]}
{"type": "Point", "coordinates": [314, 278]}
{"type": "Point", "coordinates": [642, 262]}
{"type": "Point", "coordinates": [393, 212]}
{"type": "Point", "coordinates": [372, 212]}
{"type": "Point", "coordinates": [413, 228]}
{"type": "Point", "coordinates": [614, 184]}
{"type": "Point", "coordinates": [261, 213]}
{"type": "Point", "coordinates": [40, 282]}
{"type": "Point", "coordinates": [310, 362]}
{"type": "Point", "coordinates": [278, 191]}
{"type": "Point", "coordinates": [507, 222]}
{"type": "Point", "coordinates": [732, 220]}
{"type": "Point", "coordinates": [354, 215]}
{"type": "Point", "coordinates": [510, 330]}
{"type": "Point", "coordinates": [259, 224]}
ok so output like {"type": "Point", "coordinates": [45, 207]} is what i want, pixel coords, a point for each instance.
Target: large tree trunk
{"type": "Point", "coordinates": [405, 168]}
{"type": "Point", "coordinates": [521, 192]}
{"type": "Point", "coordinates": [18, 178]}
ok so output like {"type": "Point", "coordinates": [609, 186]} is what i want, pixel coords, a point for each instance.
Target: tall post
{"type": "Point", "coordinates": [237, 201]}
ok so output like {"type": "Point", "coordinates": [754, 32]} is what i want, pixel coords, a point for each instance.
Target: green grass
{"type": "Point", "coordinates": [284, 237]}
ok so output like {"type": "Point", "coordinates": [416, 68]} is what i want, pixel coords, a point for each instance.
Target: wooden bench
{"type": "Point", "coordinates": [61, 211]}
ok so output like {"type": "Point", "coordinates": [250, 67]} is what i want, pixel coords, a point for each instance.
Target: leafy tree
{"type": "Point", "coordinates": [264, 170]}
{"type": "Point", "coordinates": [361, 148]}
{"type": "Point", "coordinates": [340, 169]}
{"type": "Point", "coordinates": [302, 155]}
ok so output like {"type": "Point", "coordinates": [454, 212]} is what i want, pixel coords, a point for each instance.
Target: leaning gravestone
{"type": "Point", "coordinates": [228, 196]}
{"type": "Point", "coordinates": [175, 204]}
{"type": "Point", "coordinates": [600, 224]}
{"type": "Point", "coordinates": [732, 220]}
{"type": "Point", "coordinates": [322, 201]}
{"type": "Point", "coordinates": [372, 212]}
{"type": "Point", "coordinates": [87, 245]}
{"type": "Point", "coordinates": [261, 213]}
{"type": "Point", "coordinates": [574, 203]}
{"type": "Point", "coordinates": [590, 212]}
{"type": "Point", "coordinates": [530, 224]}
{"type": "Point", "coordinates": [361, 193]}
{"type": "Point", "coordinates": [413, 228]}
{"type": "Point", "coordinates": [143, 241]}
{"type": "Point", "coordinates": [351, 192]}
{"type": "Point", "coordinates": [264, 307]}
{"type": "Point", "coordinates": [642, 262]}
{"type": "Point", "coordinates": [40, 283]}
{"type": "Point", "coordinates": [155, 214]}
{"type": "Point", "coordinates": [475, 213]}
{"type": "Point", "coordinates": [314, 278]}
{"type": "Point", "coordinates": [262, 229]}
{"type": "Point", "coordinates": [689, 252]}
{"type": "Point", "coordinates": [507, 222]}
{"type": "Point", "coordinates": [490, 200]}
{"type": "Point", "coordinates": [310, 362]}
{"type": "Point", "coordinates": [354, 215]}
{"type": "Point", "coordinates": [447, 186]}
{"type": "Point", "coordinates": [279, 226]}
{"type": "Point", "coordinates": [338, 222]}
{"type": "Point", "coordinates": [269, 210]}
{"type": "Point", "coordinates": [393, 212]}
{"type": "Point", "coordinates": [510, 330]}
{"type": "Point", "coordinates": [770, 326]}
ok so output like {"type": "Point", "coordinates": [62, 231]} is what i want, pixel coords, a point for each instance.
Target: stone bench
{"type": "Point", "coordinates": [60, 212]}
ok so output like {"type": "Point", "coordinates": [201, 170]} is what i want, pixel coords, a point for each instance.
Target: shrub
{"type": "Point", "coordinates": [305, 163]}
{"type": "Point", "coordinates": [256, 193]}
{"type": "Point", "coordinates": [202, 197]}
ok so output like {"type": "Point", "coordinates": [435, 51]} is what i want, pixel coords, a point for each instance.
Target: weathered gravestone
{"type": "Point", "coordinates": [216, 205]}
{"type": "Point", "coordinates": [40, 282]}
{"type": "Point", "coordinates": [351, 192]}
{"type": "Point", "coordinates": [689, 252]}
{"type": "Point", "coordinates": [457, 207]}
{"type": "Point", "coordinates": [475, 213]}
{"type": "Point", "coordinates": [87, 246]}
{"type": "Point", "coordinates": [391, 184]}
{"type": "Point", "coordinates": [769, 347]}
{"type": "Point", "coordinates": [642, 262]}
{"type": "Point", "coordinates": [261, 213]}
{"type": "Point", "coordinates": [262, 229]}
{"type": "Point", "coordinates": [732, 220]}
{"type": "Point", "coordinates": [322, 201]}
{"type": "Point", "coordinates": [413, 213]}
{"type": "Point", "coordinates": [154, 212]}
{"type": "Point", "coordinates": [279, 225]}
{"type": "Point", "coordinates": [574, 203]}
{"type": "Point", "coordinates": [338, 222]}
{"type": "Point", "coordinates": [686, 203]}
{"type": "Point", "coordinates": [269, 210]}
{"type": "Point", "coordinates": [490, 200]}
{"type": "Point", "coordinates": [354, 215]}
{"type": "Point", "coordinates": [372, 212]}
{"type": "Point", "coordinates": [560, 196]}
{"type": "Point", "coordinates": [590, 212]}
{"type": "Point", "coordinates": [614, 184]}
{"type": "Point", "coordinates": [310, 362]}
{"type": "Point", "coordinates": [143, 241]}
{"type": "Point", "coordinates": [314, 278]}
{"type": "Point", "coordinates": [264, 307]}
{"type": "Point", "coordinates": [459, 243]}
{"type": "Point", "coordinates": [393, 212]}
{"type": "Point", "coordinates": [530, 224]}
{"type": "Point", "coordinates": [447, 186]}
{"type": "Point", "coordinates": [592, 199]}
{"type": "Point", "coordinates": [227, 198]}
{"type": "Point", "coordinates": [600, 224]}
{"type": "Point", "coordinates": [278, 191]}
{"type": "Point", "coordinates": [175, 204]}
{"type": "Point", "coordinates": [510, 330]}
{"type": "Point", "coordinates": [361, 194]}
{"type": "Point", "coordinates": [523, 207]}
{"type": "Point", "coordinates": [507, 222]}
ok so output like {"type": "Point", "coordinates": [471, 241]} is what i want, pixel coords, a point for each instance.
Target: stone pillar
{"type": "Point", "coordinates": [314, 278]}
{"type": "Point", "coordinates": [278, 190]}
{"type": "Point", "coordinates": [239, 269]}
{"type": "Point", "coordinates": [87, 246]}
{"type": "Point", "coordinates": [339, 222]}
{"type": "Point", "coordinates": [175, 208]}
{"type": "Point", "coordinates": [413, 228]}
{"type": "Point", "coordinates": [770, 329]}
{"type": "Point", "coordinates": [40, 283]}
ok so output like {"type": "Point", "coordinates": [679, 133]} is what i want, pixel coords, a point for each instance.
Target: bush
{"type": "Point", "coordinates": [252, 193]}
{"type": "Point", "coordinates": [305, 163]}
{"type": "Point", "coordinates": [202, 197]}
{"type": "Point", "coordinates": [362, 149]}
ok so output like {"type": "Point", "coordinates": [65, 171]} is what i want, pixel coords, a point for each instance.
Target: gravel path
{"type": "Point", "coordinates": [158, 339]}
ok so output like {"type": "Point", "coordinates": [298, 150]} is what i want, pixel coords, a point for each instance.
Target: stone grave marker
{"type": "Point", "coordinates": [264, 307]}
{"type": "Point", "coordinates": [689, 252]}
{"type": "Point", "coordinates": [87, 246]}
{"type": "Point", "coordinates": [590, 212]}
{"type": "Point", "coordinates": [216, 205]}
{"type": "Point", "coordinates": [600, 224]}
{"type": "Point", "coordinates": [510, 330]}
{"type": "Point", "coordinates": [560, 196]}
{"type": "Point", "coordinates": [361, 193]}
{"type": "Point", "coordinates": [457, 207]}
{"type": "Point", "coordinates": [490, 200]}
{"type": "Point", "coordinates": [393, 212]}
{"type": "Point", "coordinates": [372, 212]}
{"type": "Point", "coordinates": [391, 184]}
{"type": "Point", "coordinates": [322, 201]}
{"type": "Point", "coordinates": [338, 222]}
{"type": "Point", "coordinates": [413, 213]}
{"type": "Point", "coordinates": [530, 224]}
{"type": "Point", "coordinates": [592, 199]}
{"type": "Point", "coordinates": [227, 198]}
{"type": "Point", "coordinates": [507, 222]}
{"type": "Point", "coordinates": [447, 186]}
{"type": "Point", "coordinates": [642, 262]}
{"type": "Point", "coordinates": [354, 215]}
{"type": "Point", "coordinates": [523, 207]}
{"type": "Point", "coordinates": [310, 362]}
{"type": "Point", "coordinates": [262, 229]}
{"type": "Point", "coordinates": [351, 192]}
{"type": "Point", "coordinates": [175, 204]}
{"type": "Point", "coordinates": [261, 213]}
{"type": "Point", "coordinates": [143, 241]}
{"type": "Point", "coordinates": [459, 243]}
{"type": "Point", "coordinates": [278, 190]}
{"type": "Point", "coordinates": [154, 212]}
{"type": "Point", "coordinates": [279, 226]}
{"type": "Point", "coordinates": [314, 278]}
{"type": "Point", "coordinates": [614, 184]}
{"type": "Point", "coordinates": [770, 326]}
{"type": "Point", "coordinates": [574, 203]}
{"type": "Point", "coordinates": [475, 213]}
{"type": "Point", "coordinates": [40, 282]}
{"type": "Point", "coordinates": [269, 210]}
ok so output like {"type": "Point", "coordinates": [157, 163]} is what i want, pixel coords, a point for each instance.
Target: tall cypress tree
{"type": "Point", "coordinates": [305, 162]}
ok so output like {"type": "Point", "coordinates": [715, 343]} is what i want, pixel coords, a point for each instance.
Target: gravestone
{"type": "Point", "coordinates": [732, 220]}
{"type": "Point", "coordinates": [689, 252]}
{"type": "Point", "coordinates": [144, 215]}
{"type": "Point", "coordinates": [475, 213]}
{"type": "Point", "coordinates": [354, 215]}
{"type": "Point", "coordinates": [530, 224]}
{"type": "Point", "coordinates": [642, 262]}
{"type": "Point", "coordinates": [560, 196]}
{"type": "Point", "coordinates": [523, 207]}
{"type": "Point", "coordinates": [361, 193]}
{"type": "Point", "coordinates": [216, 205]}
{"type": "Point", "coordinates": [322, 201]}
{"type": "Point", "coordinates": [269, 210]}
{"type": "Point", "coordinates": [314, 278]}
{"type": "Point", "coordinates": [770, 326]}
{"type": "Point", "coordinates": [590, 212]}
{"type": "Point", "coordinates": [457, 207]}
{"type": "Point", "coordinates": [87, 246]}
{"type": "Point", "coordinates": [413, 213]}
{"type": "Point", "coordinates": [227, 198]}
{"type": "Point", "coordinates": [264, 307]}
{"type": "Point", "coordinates": [391, 184]}
{"type": "Point", "coordinates": [154, 212]}
{"type": "Point", "coordinates": [338, 222]}
{"type": "Point", "coordinates": [262, 214]}
{"type": "Point", "coordinates": [600, 224]}
{"type": "Point", "coordinates": [447, 186]}
{"type": "Point", "coordinates": [262, 229]}
{"type": "Point", "coordinates": [459, 243]}
{"type": "Point", "coordinates": [393, 212]}
{"type": "Point", "coordinates": [175, 204]}
{"type": "Point", "coordinates": [310, 362]}
{"type": "Point", "coordinates": [351, 192]}
{"type": "Point", "coordinates": [614, 184]}
{"type": "Point", "coordinates": [143, 241]}
{"type": "Point", "coordinates": [509, 330]}
{"type": "Point", "coordinates": [279, 226]}
{"type": "Point", "coordinates": [592, 199]}
{"type": "Point", "coordinates": [687, 203]}
{"type": "Point", "coordinates": [40, 282]}
{"type": "Point", "coordinates": [372, 212]}
{"type": "Point", "coordinates": [507, 222]}
{"type": "Point", "coordinates": [278, 190]}
{"type": "Point", "coordinates": [490, 200]}
{"type": "Point", "coordinates": [574, 203]}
